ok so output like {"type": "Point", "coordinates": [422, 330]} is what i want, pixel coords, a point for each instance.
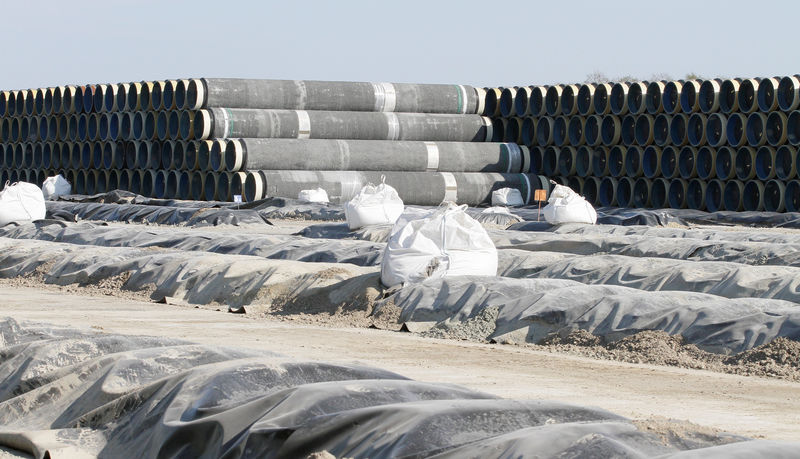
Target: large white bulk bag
{"type": "Point", "coordinates": [54, 187]}
{"type": "Point", "coordinates": [21, 202]}
{"type": "Point", "coordinates": [373, 205]}
{"type": "Point", "coordinates": [507, 197]}
{"type": "Point", "coordinates": [446, 242]}
{"type": "Point", "coordinates": [567, 206]}
{"type": "Point", "coordinates": [319, 195]}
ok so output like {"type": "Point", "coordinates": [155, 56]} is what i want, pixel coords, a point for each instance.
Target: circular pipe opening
{"type": "Point", "coordinates": [792, 196]}
{"type": "Point", "coordinates": [689, 99]}
{"type": "Point", "coordinates": [616, 160]}
{"type": "Point", "coordinates": [747, 95]}
{"type": "Point", "coordinates": [610, 130]}
{"type": "Point", "coordinates": [636, 98]}
{"type": "Point", "coordinates": [215, 157]}
{"type": "Point", "coordinates": [658, 193]}
{"type": "Point", "coordinates": [203, 153]}
{"type": "Point", "coordinates": [125, 125]}
{"type": "Point", "coordinates": [654, 96]}
{"type": "Point", "coordinates": [507, 102]}
{"type": "Point", "coordinates": [607, 196]}
{"type": "Point", "coordinates": [512, 131]}
{"type": "Point", "coordinates": [786, 162]}
{"type": "Point", "coordinates": [174, 124]}
{"type": "Point", "coordinates": [628, 130]}
{"type": "Point", "coordinates": [569, 100]}
{"type": "Point", "coordinates": [687, 162]}
{"type": "Point", "coordinates": [601, 95]}
{"type": "Point", "coordinates": [766, 94]}
{"type": "Point", "coordinates": [714, 195]}
{"type": "Point", "coordinates": [788, 98]}
{"type": "Point", "coordinates": [591, 130]}
{"type": "Point", "coordinates": [97, 154]}
{"type": "Point", "coordinates": [180, 95]}
{"type": "Point", "coordinates": [108, 155]}
{"type": "Point", "coordinates": [715, 129]}
{"type": "Point", "coordinates": [92, 127]}
{"type": "Point", "coordinates": [696, 129]}
{"type": "Point", "coordinates": [706, 167]}
{"type": "Point", "coordinates": [671, 97]}
{"type": "Point", "coordinates": [641, 193]}
{"type": "Point", "coordinates": [728, 96]}
{"type": "Point", "coordinates": [102, 126]}
{"type": "Point", "coordinates": [708, 96]}
{"type": "Point", "coordinates": [669, 162]}
{"type": "Point", "coordinates": [774, 191]}
{"type": "Point", "coordinates": [167, 154]}
{"type": "Point", "coordinates": [160, 184]}
{"type": "Point", "coordinates": [168, 95]}
{"type": "Point", "coordinates": [521, 101]}
{"type": "Point", "coordinates": [724, 163]}
{"type": "Point", "coordinates": [149, 126]}
{"type": "Point", "coordinates": [566, 161]}
{"type": "Point", "coordinates": [162, 128]}
{"type": "Point", "coordinates": [583, 161]}
{"type": "Point", "coordinates": [678, 131]}
{"type": "Point", "coordinates": [122, 97]}
{"type": "Point", "coordinates": [125, 180]}
{"type": "Point", "coordinates": [559, 131]}
{"type": "Point", "coordinates": [38, 102]}
{"type": "Point", "coordinates": [210, 186]}
{"type": "Point", "coordinates": [696, 194]}
{"type": "Point", "coordinates": [156, 93]}
{"type": "Point", "coordinates": [576, 131]}
{"type": "Point", "coordinates": [735, 130]}
{"type": "Point", "coordinates": [618, 99]}
{"type": "Point", "coordinates": [148, 179]}
{"type": "Point", "coordinates": [187, 121]}
{"type": "Point", "coordinates": [178, 153]}
{"type": "Point", "coordinates": [643, 130]}
{"type": "Point", "coordinates": [190, 162]}
{"type": "Point", "coordinates": [550, 161]}
{"type": "Point", "coordinates": [80, 182]}
{"type": "Point", "coordinates": [195, 96]}
{"type": "Point", "coordinates": [110, 100]}
{"type": "Point", "coordinates": [651, 162]}
{"type": "Point", "coordinates": [633, 161]}
{"type": "Point", "coordinates": [775, 128]}
{"type": "Point", "coordinates": [154, 155]}
{"type": "Point", "coordinates": [590, 190]}
{"type": "Point", "coordinates": [732, 195]}
{"type": "Point", "coordinates": [625, 192]}
{"type": "Point", "coordinates": [552, 100]}
{"type": "Point", "coordinates": [585, 99]}
{"type": "Point", "coordinates": [661, 130]}
{"type": "Point", "coordinates": [137, 127]}
{"type": "Point", "coordinates": [745, 163]}
{"type": "Point", "coordinates": [753, 197]}
{"type": "Point", "coordinates": [171, 184]}
{"type": "Point", "coordinates": [765, 163]}
{"type": "Point", "coordinates": [184, 185]}
{"type": "Point", "coordinates": [536, 102]}
{"type": "Point", "coordinates": [600, 162]}
{"type": "Point", "coordinates": [86, 155]}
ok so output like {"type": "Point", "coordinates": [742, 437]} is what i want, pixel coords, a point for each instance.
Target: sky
{"type": "Point", "coordinates": [480, 43]}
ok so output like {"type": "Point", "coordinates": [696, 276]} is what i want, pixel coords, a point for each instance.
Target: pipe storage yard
{"type": "Point", "coordinates": [228, 310]}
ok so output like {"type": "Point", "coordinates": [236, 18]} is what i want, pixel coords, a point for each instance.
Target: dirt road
{"type": "Point", "coordinates": [751, 406]}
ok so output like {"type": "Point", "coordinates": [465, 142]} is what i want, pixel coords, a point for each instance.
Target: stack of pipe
{"type": "Point", "coordinates": [212, 139]}
{"type": "Point", "coordinates": [708, 145]}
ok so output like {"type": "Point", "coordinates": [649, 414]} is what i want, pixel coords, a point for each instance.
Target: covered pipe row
{"type": "Point", "coordinates": [744, 95]}
{"type": "Point", "coordinates": [716, 129]}
{"type": "Point", "coordinates": [196, 93]}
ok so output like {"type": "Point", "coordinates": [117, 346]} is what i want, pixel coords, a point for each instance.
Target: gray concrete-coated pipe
{"type": "Point", "coordinates": [748, 99]}
{"type": "Point", "coordinates": [633, 161]}
{"type": "Point", "coordinates": [552, 100]}
{"type": "Point", "coordinates": [671, 97]}
{"type": "Point", "coordinates": [550, 161]}
{"type": "Point", "coordinates": [689, 101]}
{"type": "Point", "coordinates": [618, 99]}
{"type": "Point", "coordinates": [583, 161]}
{"type": "Point", "coordinates": [716, 129]}
{"type": "Point", "coordinates": [585, 102]}
{"type": "Point", "coordinates": [687, 162]}
{"type": "Point", "coordinates": [654, 97]}
{"type": "Point", "coordinates": [591, 130]}
{"type": "Point", "coordinates": [560, 131]}
{"type": "Point", "coordinates": [732, 195]}
{"type": "Point", "coordinates": [661, 129]}
{"type": "Point", "coordinates": [714, 198]}
{"type": "Point", "coordinates": [607, 193]}
{"type": "Point", "coordinates": [414, 188]}
{"type": "Point", "coordinates": [506, 102]}
{"type": "Point", "coordinates": [600, 102]}
{"type": "Point", "coordinates": [600, 162]}
{"type": "Point", "coordinates": [792, 196]}
{"type": "Point", "coordinates": [678, 133]}
{"type": "Point", "coordinates": [616, 160]}
{"type": "Point", "coordinates": [735, 129]}
{"type": "Point", "coordinates": [324, 154]}
{"type": "Point", "coordinates": [536, 104]}
{"type": "Point", "coordinates": [789, 93]}
{"type": "Point", "coordinates": [625, 192]}
{"type": "Point", "coordinates": [774, 192]}
{"type": "Point", "coordinates": [610, 130]}
{"type": "Point", "coordinates": [728, 96]}
{"type": "Point", "coordinates": [696, 129]}
{"type": "Point", "coordinates": [786, 162]}
{"type": "Point", "coordinates": [669, 162]}
{"type": "Point", "coordinates": [521, 101]}
{"type": "Point", "coordinates": [744, 163]}
{"type": "Point", "coordinates": [658, 193]}
{"type": "Point", "coordinates": [767, 94]}
{"type": "Point", "coordinates": [544, 131]}
{"type": "Point", "coordinates": [641, 193]}
{"type": "Point", "coordinates": [706, 163]}
{"type": "Point", "coordinates": [637, 103]}
{"type": "Point", "coordinates": [643, 131]}
{"type": "Point", "coordinates": [793, 128]}
{"type": "Point", "coordinates": [696, 194]}
{"type": "Point", "coordinates": [628, 130]}
{"type": "Point", "coordinates": [765, 163]}
{"type": "Point", "coordinates": [754, 129]}
{"type": "Point", "coordinates": [225, 122]}
{"type": "Point", "coordinates": [567, 158]}
{"type": "Point", "coordinates": [528, 132]}
{"type": "Point", "coordinates": [708, 96]}
{"type": "Point", "coordinates": [569, 100]}
{"type": "Point", "coordinates": [724, 163]}
{"type": "Point", "coordinates": [753, 196]}
{"type": "Point", "coordinates": [775, 129]}
{"type": "Point", "coordinates": [331, 95]}
{"type": "Point", "coordinates": [651, 161]}
{"type": "Point", "coordinates": [575, 130]}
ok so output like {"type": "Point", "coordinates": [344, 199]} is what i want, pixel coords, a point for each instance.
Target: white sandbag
{"type": "Point", "coordinates": [507, 197]}
{"type": "Point", "coordinates": [21, 202]}
{"type": "Point", "coordinates": [446, 242]}
{"type": "Point", "coordinates": [567, 206]}
{"type": "Point", "coordinates": [54, 187]}
{"type": "Point", "coordinates": [319, 195]}
{"type": "Point", "coordinates": [373, 205]}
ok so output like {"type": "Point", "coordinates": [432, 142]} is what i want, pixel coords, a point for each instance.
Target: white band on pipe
{"type": "Point", "coordinates": [527, 187]}
{"type": "Point", "coordinates": [226, 119]}
{"type": "Point", "coordinates": [433, 156]}
{"type": "Point", "coordinates": [463, 96]}
{"type": "Point", "coordinates": [393, 124]}
{"type": "Point", "coordinates": [206, 120]}
{"type": "Point", "coordinates": [201, 95]}
{"type": "Point", "coordinates": [303, 124]}
{"type": "Point", "coordinates": [385, 97]}
{"type": "Point", "coordinates": [489, 129]}
{"type": "Point", "coordinates": [238, 155]}
{"type": "Point", "coordinates": [450, 187]}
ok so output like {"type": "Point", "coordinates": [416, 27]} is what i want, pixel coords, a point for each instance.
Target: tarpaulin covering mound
{"type": "Point", "coordinates": [71, 393]}
{"type": "Point", "coordinates": [528, 310]}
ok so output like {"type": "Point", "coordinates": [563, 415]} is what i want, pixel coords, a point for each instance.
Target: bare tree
{"type": "Point", "coordinates": [627, 78]}
{"type": "Point", "coordinates": [596, 77]}
{"type": "Point", "coordinates": [693, 76]}
{"type": "Point", "coordinates": [661, 76]}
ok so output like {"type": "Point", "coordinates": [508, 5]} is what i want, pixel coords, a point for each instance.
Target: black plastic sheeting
{"type": "Point", "coordinates": [173, 212]}
{"type": "Point", "coordinates": [70, 392]}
